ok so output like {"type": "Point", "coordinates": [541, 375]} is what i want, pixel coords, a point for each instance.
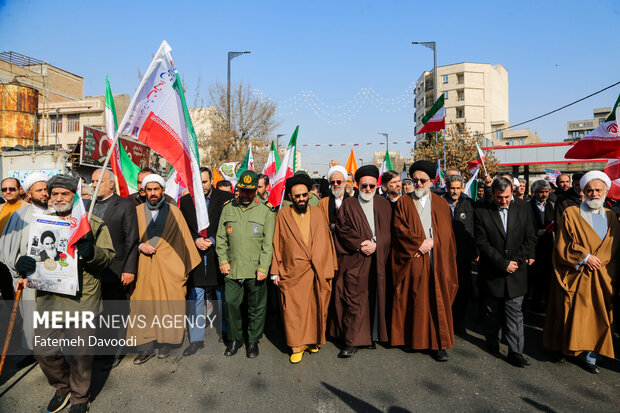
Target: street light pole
{"type": "Point", "coordinates": [387, 144]}
{"type": "Point", "coordinates": [433, 45]}
{"type": "Point", "coordinates": [231, 56]}
{"type": "Point", "coordinates": [278, 140]}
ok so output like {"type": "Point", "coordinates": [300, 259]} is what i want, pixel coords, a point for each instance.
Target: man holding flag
{"type": "Point", "coordinates": [93, 245]}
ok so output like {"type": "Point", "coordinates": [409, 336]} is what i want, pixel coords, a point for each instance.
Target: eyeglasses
{"type": "Point", "coordinates": [420, 180]}
{"type": "Point", "coordinates": [371, 186]}
{"type": "Point", "coordinates": [338, 182]}
{"type": "Point", "coordinates": [297, 196]}
{"type": "Point", "coordinates": [9, 189]}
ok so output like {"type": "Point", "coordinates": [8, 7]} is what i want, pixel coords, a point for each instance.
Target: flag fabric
{"type": "Point", "coordinates": [287, 169]}
{"type": "Point", "coordinates": [476, 163]}
{"type": "Point", "coordinates": [79, 220]}
{"type": "Point", "coordinates": [174, 186]}
{"type": "Point", "coordinates": [351, 164]}
{"type": "Point", "coordinates": [613, 171]}
{"type": "Point", "coordinates": [471, 188]}
{"type": "Point", "coordinates": [602, 142]}
{"type": "Point", "coordinates": [272, 165]}
{"type": "Point", "coordinates": [247, 164]}
{"type": "Point", "coordinates": [158, 116]}
{"type": "Point", "coordinates": [227, 170]}
{"type": "Point", "coordinates": [552, 175]}
{"type": "Point", "coordinates": [217, 177]}
{"type": "Point", "coordinates": [385, 166]}
{"type": "Point", "coordinates": [111, 125]}
{"type": "Point", "coordinates": [439, 182]}
{"type": "Point", "coordinates": [435, 118]}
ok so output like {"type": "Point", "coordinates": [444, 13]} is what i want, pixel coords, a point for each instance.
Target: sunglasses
{"type": "Point", "coordinates": [9, 189]}
{"type": "Point", "coordinates": [338, 182]}
{"type": "Point", "coordinates": [371, 186]}
{"type": "Point", "coordinates": [420, 180]}
{"type": "Point", "coordinates": [298, 196]}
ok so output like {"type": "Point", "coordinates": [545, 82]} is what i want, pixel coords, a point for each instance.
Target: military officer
{"type": "Point", "coordinates": [244, 249]}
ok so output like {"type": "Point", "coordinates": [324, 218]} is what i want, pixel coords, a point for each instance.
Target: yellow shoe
{"type": "Point", "coordinates": [313, 349]}
{"type": "Point", "coordinates": [296, 357]}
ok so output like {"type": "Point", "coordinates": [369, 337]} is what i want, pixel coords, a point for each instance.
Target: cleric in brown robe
{"type": "Point", "coordinates": [423, 267]}
{"type": "Point", "coordinates": [359, 316]}
{"type": "Point", "coordinates": [167, 255]}
{"type": "Point", "coordinates": [303, 266]}
{"type": "Point", "coordinates": [579, 312]}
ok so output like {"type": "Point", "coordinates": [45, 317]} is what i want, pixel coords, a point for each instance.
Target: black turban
{"type": "Point", "coordinates": [425, 166]}
{"type": "Point", "coordinates": [299, 179]}
{"type": "Point", "coordinates": [367, 170]}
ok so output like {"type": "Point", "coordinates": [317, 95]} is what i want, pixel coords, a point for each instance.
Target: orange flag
{"type": "Point", "coordinates": [351, 164]}
{"type": "Point", "coordinates": [217, 177]}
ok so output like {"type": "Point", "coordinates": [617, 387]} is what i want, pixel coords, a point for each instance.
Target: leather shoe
{"type": "Point", "coordinates": [251, 350]}
{"type": "Point", "coordinates": [440, 355]}
{"type": "Point", "coordinates": [193, 348]}
{"type": "Point", "coordinates": [233, 347]}
{"type": "Point", "coordinates": [164, 351]}
{"type": "Point", "coordinates": [347, 351]}
{"type": "Point", "coordinates": [142, 358]}
{"type": "Point", "coordinates": [493, 347]}
{"type": "Point", "coordinates": [517, 360]}
{"type": "Point", "coordinates": [589, 367]}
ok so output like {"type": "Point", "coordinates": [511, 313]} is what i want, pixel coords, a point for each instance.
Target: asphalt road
{"type": "Point", "coordinates": [381, 380]}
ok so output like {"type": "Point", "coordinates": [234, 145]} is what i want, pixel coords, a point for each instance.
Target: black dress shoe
{"type": "Point", "coordinates": [440, 355]}
{"type": "Point", "coordinates": [58, 403]}
{"type": "Point", "coordinates": [347, 351]}
{"type": "Point", "coordinates": [193, 348]}
{"type": "Point", "coordinates": [142, 358]}
{"type": "Point", "coordinates": [589, 367]}
{"type": "Point", "coordinates": [493, 347]}
{"type": "Point", "coordinates": [164, 351]}
{"type": "Point", "coordinates": [517, 360]}
{"type": "Point", "coordinates": [251, 350]}
{"type": "Point", "coordinates": [233, 347]}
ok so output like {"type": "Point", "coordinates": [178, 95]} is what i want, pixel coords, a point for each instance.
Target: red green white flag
{"type": "Point", "coordinates": [79, 220]}
{"type": "Point", "coordinates": [385, 166]}
{"type": "Point", "coordinates": [272, 165]}
{"type": "Point", "coordinates": [476, 163]}
{"type": "Point", "coordinates": [439, 182]}
{"type": "Point", "coordinates": [287, 169]}
{"type": "Point", "coordinates": [435, 119]}
{"type": "Point", "coordinates": [613, 171]}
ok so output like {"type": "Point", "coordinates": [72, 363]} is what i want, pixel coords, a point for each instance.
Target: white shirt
{"type": "Point", "coordinates": [423, 200]}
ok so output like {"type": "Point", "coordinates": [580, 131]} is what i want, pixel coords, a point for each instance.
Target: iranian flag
{"type": "Point", "coordinates": [174, 186]}
{"type": "Point", "coordinates": [272, 165]}
{"type": "Point", "coordinates": [439, 182]}
{"type": "Point", "coordinates": [385, 166]}
{"type": "Point", "coordinates": [79, 220]}
{"type": "Point", "coordinates": [122, 167]}
{"type": "Point", "coordinates": [287, 169]}
{"type": "Point", "coordinates": [351, 164]}
{"type": "Point", "coordinates": [247, 164]}
{"type": "Point", "coordinates": [476, 163]}
{"type": "Point", "coordinates": [602, 142]}
{"type": "Point", "coordinates": [435, 119]}
{"type": "Point", "coordinates": [158, 116]}
{"type": "Point", "coordinates": [471, 188]}
{"type": "Point", "coordinates": [613, 171]}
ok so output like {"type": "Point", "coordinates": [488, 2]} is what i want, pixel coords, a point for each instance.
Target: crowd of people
{"type": "Point", "coordinates": [368, 259]}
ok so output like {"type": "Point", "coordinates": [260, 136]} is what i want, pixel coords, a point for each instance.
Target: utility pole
{"type": "Point", "coordinates": [231, 56]}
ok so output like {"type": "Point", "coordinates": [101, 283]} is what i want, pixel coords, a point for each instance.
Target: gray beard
{"type": "Point", "coordinates": [419, 193]}
{"type": "Point", "coordinates": [367, 197]}
{"type": "Point", "coordinates": [337, 194]}
{"type": "Point", "coordinates": [595, 203]}
{"type": "Point", "coordinates": [62, 209]}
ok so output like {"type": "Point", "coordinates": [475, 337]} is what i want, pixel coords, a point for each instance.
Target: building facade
{"type": "Point", "coordinates": [476, 96]}
{"type": "Point", "coordinates": [577, 129]}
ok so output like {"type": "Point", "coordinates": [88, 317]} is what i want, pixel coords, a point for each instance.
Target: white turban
{"type": "Point", "coordinates": [153, 178]}
{"type": "Point", "coordinates": [337, 168]}
{"type": "Point", "coordinates": [33, 179]}
{"type": "Point", "coordinates": [595, 175]}
{"type": "Point", "coordinates": [516, 183]}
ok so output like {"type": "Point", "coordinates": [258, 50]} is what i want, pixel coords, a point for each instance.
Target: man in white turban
{"type": "Point", "coordinates": [579, 314]}
{"type": "Point", "coordinates": [336, 175]}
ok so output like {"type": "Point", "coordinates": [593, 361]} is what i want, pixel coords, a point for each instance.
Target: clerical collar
{"type": "Point", "coordinates": [422, 200]}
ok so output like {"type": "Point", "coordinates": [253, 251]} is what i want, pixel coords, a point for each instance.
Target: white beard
{"type": "Point", "coordinates": [367, 197]}
{"type": "Point", "coordinates": [337, 194]}
{"type": "Point", "coordinates": [595, 203]}
{"type": "Point", "coordinates": [419, 193]}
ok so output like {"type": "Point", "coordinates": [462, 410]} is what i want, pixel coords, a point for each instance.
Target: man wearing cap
{"type": "Point", "coordinates": [303, 265]}
{"type": "Point", "coordinates": [244, 249]}
{"type": "Point", "coordinates": [359, 316]}
{"type": "Point", "coordinates": [95, 251]}
{"type": "Point", "coordinates": [424, 268]}
{"type": "Point", "coordinates": [330, 205]}
{"type": "Point", "coordinates": [579, 313]}
{"type": "Point", "coordinates": [14, 243]}
{"type": "Point", "coordinates": [167, 254]}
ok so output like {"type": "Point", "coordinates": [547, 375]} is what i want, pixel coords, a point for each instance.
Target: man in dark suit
{"type": "Point", "coordinates": [119, 215]}
{"type": "Point", "coordinates": [462, 209]}
{"type": "Point", "coordinates": [505, 240]}
{"type": "Point", "coordinates": [541, 271]}
{"type": "Point", "coordinates": [207, 274]}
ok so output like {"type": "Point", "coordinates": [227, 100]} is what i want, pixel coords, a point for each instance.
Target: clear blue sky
{"type": "Point", "coordinates": [555, 52]}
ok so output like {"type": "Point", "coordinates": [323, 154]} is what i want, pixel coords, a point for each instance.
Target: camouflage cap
{"type": "Point", "coordinates": [248, 180]}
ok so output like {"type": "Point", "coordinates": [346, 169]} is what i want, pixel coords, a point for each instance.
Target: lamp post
{"type": "Point", "coordinates": [387, 144]}
{"type": "Point", "coordinates": [231, 56]}
{"type": "Point", "coordinates": [278, 140]}
{"type": "Point", "coordinates": [433, 45]}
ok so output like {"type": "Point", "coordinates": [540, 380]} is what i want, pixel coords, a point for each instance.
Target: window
{"type": "Point", "coordinates": [460, 95]}
{"type": "Point", "coordinates": [601, 121]}
{"type": "Point", "coordinates": [575, 134]}
{"type": "Point", "coordinates": [460, 78]}
{"type": "Point", "coordinates": [499, 134]}
{"type": "Point", "coordinates": [445, 95]}
{"type": "Point", "coordinates": [460, 112]}
{"type": "Point", "coordinates": [73, 123]}
{"type": "Point", "coordinates": [509, 142]}
{"type": "Point", "coordinates": [54, 125]}
{"type": "Point", "coordinates": [444, 79]}
{"type": "Point", "coordinates": [521, 141]}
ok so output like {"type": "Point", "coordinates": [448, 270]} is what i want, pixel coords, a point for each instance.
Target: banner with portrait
{"type": "Point", "coordinates": [47, 243]}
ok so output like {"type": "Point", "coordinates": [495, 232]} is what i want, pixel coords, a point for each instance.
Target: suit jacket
{"type": "Point", "coordinates": [497, 247]}
{"type": "Point", "coordinates": [208, 275]}
{"type": "Point", "coordinates": [122, 222]}
{"type": "Point", "coordinates": [544, 243]}
{"type": "Point", "coordinates": [463, 227]}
